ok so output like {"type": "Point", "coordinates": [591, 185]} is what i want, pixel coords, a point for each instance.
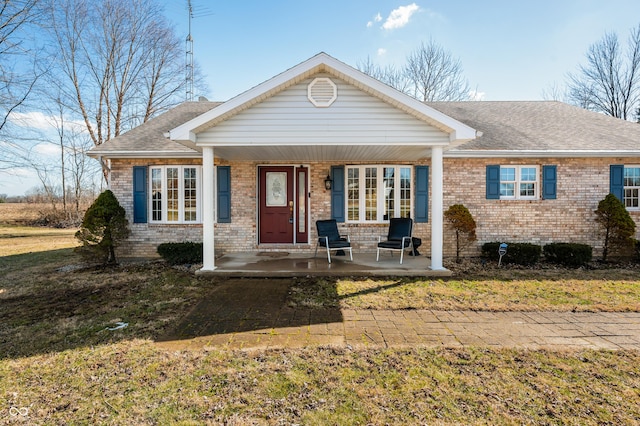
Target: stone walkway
{"type": "Point", "coordinates": [243, 315]}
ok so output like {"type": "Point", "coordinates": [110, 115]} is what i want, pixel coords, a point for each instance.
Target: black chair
{"type": "Point", "coordinates": [398, 238]}
{"type": "Point", "coordinates": [330, 238]}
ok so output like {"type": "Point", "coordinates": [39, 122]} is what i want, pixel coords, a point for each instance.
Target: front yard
{"type": "Point", "coordinates": [76, 346]}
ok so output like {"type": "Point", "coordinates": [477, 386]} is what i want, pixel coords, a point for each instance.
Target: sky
{"type": "Point", "coordinates": [509, 49]}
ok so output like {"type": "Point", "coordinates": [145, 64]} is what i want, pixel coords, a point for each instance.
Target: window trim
{"type": "Point", "coordinates": [518, 181]}
{"type": "Point", "coordinates": [380, 198]}
{"type": "Point", "coordinates": [625, 187]}
{"type": "Point", "coordinates": [181, 195]}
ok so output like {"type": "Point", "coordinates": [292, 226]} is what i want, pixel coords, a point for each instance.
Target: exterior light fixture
{"type": "Point", "coordinates": [327, 183]}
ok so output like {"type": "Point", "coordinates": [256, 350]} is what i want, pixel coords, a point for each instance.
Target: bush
{"type": "Point", "coordinates": [616, 225]}
{"type": "Point", "coordinates": [568, 254]}
{"type": "Point", "coordinates": [525, 254]}
{"type": "Point", "coordinates": [181, 253]}
{"type": "Point", "coordinates": [103, 226]}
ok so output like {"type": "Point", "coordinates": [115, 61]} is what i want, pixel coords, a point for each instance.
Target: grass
{"type": "Point", "coordinates": [610, 290]}
{"type": "Point", "coordinates": [59, 363]}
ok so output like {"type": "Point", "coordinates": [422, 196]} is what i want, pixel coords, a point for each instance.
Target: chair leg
{"type": "Point", "coordinates": [378, 254]}
{"type": "Point", "coordinates": [328, 254]}
{"type": "Point", "coordinates": [401, 255]}
{"type": "Point", "coordinates": [350, 254]}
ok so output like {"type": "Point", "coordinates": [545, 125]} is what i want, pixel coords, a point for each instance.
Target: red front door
{"type": "Point", "coordinates": [276, 216]}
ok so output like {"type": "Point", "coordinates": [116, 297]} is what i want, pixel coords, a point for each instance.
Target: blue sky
{"type": "Point", "coordinates": [510, 50]}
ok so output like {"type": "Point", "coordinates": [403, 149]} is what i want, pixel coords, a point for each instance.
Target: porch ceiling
{"type": "Point", "coordinates": [297, 153]}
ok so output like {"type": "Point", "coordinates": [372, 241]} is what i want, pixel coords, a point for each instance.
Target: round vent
{"type": "Point", "coordinates": [322, 92]}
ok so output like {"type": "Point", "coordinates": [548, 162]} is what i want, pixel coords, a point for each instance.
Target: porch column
{"type": "Point", "coordinates": [208, 221]}
{"type": "Point", "coordinates": [436, 208]}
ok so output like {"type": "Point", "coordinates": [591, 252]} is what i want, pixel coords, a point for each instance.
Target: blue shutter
{"type": "Point", "coordinates": [337, 193]}
{"type": "Point", "coordinates": [140, 194]}
{"type": "Point", "coordinates": [493, 182]}
{"type": "Point", "coordinates": [422, 194]}
{"type": "Point", "coordinates": [549, 182]}
{"type": "Point", "coordinates": [616, 181]}
{"type": "Point", "coordinates": [223, 189]}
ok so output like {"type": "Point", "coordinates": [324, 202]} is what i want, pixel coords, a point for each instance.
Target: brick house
{"type": "Point", "coordinates": [324, 140]}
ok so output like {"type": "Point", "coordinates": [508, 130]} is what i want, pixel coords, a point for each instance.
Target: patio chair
{"type": "Point", "coordinates": [330, 238]}
{"type": "Point", "coordinates": [398, 237]}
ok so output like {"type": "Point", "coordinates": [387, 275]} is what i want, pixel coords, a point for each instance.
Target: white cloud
{"type": "Point", "coordinates": [474, 95]}
{"type": "Point", "coordinates": [36, 120]}
{"type": "Point", "coordinates": [377, 18]}
{"type": "Point", "coordinates": [47, 149]}
{"type": "Point", "coordinates": [399, 17]}
{"type": "Point", "coordinates": [382, 51]}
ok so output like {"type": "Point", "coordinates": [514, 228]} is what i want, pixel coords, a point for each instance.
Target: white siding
{"type": "Point", "coordinates": [289, 119]}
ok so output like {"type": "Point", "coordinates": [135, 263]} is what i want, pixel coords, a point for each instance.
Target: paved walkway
{"type": "Point", "coordinates": [245, 314]}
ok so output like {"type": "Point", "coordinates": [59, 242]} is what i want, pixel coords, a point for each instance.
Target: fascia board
{"type": "Point", "coordinates": [540, 153]}
{"type": "Point", "coordinates": [143, 154]}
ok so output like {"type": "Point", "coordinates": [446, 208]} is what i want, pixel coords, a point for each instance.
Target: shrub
{"type": "Point", "coordinates": [462, 222]}
{"type": "Point", "coordinates": [568, 254]}
{"type": "Point", "coordinates": [525, 254]}
{"type": "Point", "coordinates": [616, 224]}
{"type": "Point", "coordinates": [181, 253]}
{"type": "Point", "coordinates": [103, 225]}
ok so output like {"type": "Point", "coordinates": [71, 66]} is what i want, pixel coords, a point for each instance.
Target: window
{"type": "Point", "coordinates": [632, 187]}
{"type": "Point", "coordinates": [519, 182]}
{"type": "Point", "coordinates": [378, 193]}
{"type": "Point", "coordinates": [175, 194]}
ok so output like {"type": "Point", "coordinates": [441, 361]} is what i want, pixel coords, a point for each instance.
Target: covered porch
{"type": "Point", "coordinates": [284, 264]}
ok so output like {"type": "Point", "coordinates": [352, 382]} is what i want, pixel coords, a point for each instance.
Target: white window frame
{"type": "Point", "coordinates": [181, 195]}
{"type": "Point", "coordinates": [518, 181]}
{"type": "Point", "coordinates": [630, 188]}
{"type": "Point", "coordinates": [380, 192]}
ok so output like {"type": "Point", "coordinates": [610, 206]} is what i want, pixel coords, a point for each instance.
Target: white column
{"type": "Point", "coordinates": [436, 208]}
{"type": "Point", "coordinates": [208, 222]}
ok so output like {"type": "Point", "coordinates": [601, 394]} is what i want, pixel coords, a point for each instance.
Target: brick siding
{"type": "Point", "coordinates": [582, 183]}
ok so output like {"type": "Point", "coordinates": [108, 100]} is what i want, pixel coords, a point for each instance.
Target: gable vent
{"type": "Point", "coordinates": [322, 92]}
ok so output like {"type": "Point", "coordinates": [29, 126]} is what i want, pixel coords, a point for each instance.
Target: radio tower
{"type": "Point", "coordinates": [189, 57]}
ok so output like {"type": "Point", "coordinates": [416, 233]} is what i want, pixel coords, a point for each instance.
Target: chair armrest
{"type": "Point", "coordinates": [406, 238]}
{"type": "Point", "coordinates": [326, 240]}
{"type": "Point", "coordinates": [345, 238]}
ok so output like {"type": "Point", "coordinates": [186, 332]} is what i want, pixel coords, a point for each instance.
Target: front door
{"type": "Point", "coordinates": [276, 205]}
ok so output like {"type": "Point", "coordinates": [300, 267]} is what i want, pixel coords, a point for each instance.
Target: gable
{"type": "Point", "coordinates": [352, 127]}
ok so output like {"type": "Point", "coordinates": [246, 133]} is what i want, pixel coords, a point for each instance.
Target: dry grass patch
{"type": "Point", "coordinates": [136, 383]}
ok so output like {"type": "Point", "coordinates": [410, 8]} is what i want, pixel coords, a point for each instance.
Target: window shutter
{"type": "Point", "coordinates": [616, 181]}
{"type": "Point", "coordinates": [493, 182]}
{"type": "Point", "coordinates": [549, 182]}
{"type": "Point", "coordinates": [337, 193]}
{"type": "Point", "coordinates": [140, 194]}
{"type": "Point", "coordinates": [422, 194]}
{"type": "Point", "coordinates": [223, 189]}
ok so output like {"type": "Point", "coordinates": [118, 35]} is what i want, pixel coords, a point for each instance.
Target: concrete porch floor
{"type": "Point", "coordinates": [283, 264]}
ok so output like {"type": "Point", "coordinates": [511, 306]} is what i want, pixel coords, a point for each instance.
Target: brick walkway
{"type": "Point", "coordinates": [243, 316]}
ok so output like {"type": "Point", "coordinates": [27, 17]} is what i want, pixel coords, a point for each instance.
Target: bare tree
{"type": "Point", "coordinates": [610, 80]}
{"type": "Point", "coordinates": [121, 61]}
{"type": "Point", "coordinates": [431, 73]}
{"type": "Point", "coordinates": [435, 75]}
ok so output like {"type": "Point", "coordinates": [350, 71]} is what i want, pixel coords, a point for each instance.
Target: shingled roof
{"type": "Point", "coordinates": [541, 127]}
{"type": "Point", "coordinates": [508, 128]}
{"type": "Point", "coordinates": [151, 138]}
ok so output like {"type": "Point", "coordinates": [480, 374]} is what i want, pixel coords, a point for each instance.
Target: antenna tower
{"type": "Point", "coordinates": [189, 56]}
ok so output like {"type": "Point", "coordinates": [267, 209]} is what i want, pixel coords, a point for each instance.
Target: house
{"type": "Point", "coordinates": [323, 140]}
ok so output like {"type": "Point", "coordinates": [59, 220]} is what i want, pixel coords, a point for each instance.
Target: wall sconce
{"type": "Point", "coordinates": [327, 183]}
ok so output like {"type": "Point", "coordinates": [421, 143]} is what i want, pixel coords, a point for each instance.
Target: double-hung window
{"type": "Point", "coordinates": [378, 193]}
{"type": "Point", "coordinates": [519, 182]}
{"type": "Point", "coordinates": [175, 194]}
{"type": "Point", "coordinates": [632, 187]}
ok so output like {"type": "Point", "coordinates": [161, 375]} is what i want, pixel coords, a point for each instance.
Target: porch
{"type": "Point", "coordinates": [284, 264]}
